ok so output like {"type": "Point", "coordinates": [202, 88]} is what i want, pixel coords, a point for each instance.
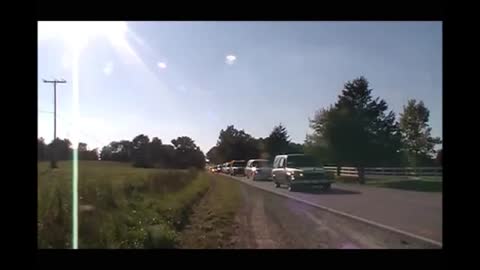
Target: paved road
{"type": "Point", "coordinates": [268, 220]}
{"type": "Point", "coordinates": [419, 213]}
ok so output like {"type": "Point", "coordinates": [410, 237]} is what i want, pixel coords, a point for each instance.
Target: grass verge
{"type": "Point", "coordinates": [212, 223]}
{"type": "Point", "coordinates": [424, 184]}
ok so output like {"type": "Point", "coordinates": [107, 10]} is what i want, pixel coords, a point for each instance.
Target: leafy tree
{"type": "Point", "coordinates": [416, 133]}
{"type": "Point", "coordinates": [168, 157]}
{"type": "Point", "coordinates": [358, 130]}
{"type": "Point", "coordinates": [118, 151]}
{"type": "Point", "coordinates": [316, 143]}
{"type": "Point", "coordinates": [236, 144]}
{"type": "Point", "coordinates": [141, 151]}
{"type": "Point", "coordinates": [187, 153]}
{"type": "Point", "coordinates": [85, 154]}
{"type": "Point", "coordinates": [156, 150]}
{"type": "Point", "coordinates": [278, 141]}
{"type": "Point", "coordinates": [214, 156]}
{"type": "Point", "coordinates": [184, 143]}
{"type": "Point", "coordinates": [295, 148]}
{"type": "Point", "coordinates": [62, 148]}
{"type": "Point", "coordinates": [106, 153]}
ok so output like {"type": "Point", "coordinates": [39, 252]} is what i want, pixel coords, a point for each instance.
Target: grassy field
{"type": "Point", "coordinates": [120, 206]}
{"type": "Point", "coordinates": [423, 183]}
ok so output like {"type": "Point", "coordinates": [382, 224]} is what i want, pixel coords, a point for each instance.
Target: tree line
{"type": "Point", "coordinates": [64, 150]}
{"type": "Point", "coordinates": [234, 144]}
{"type": "Point", "coordinates": [141, 152]}
{"type": "Point", "coordinates": [358, 130]}
{"type": "Point", "coordinates": [181, 154]}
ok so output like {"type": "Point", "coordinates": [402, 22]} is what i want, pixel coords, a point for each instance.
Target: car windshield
{"type": "Point", "coordinates": [302, 161]}
{"type": "Point", "coordinates": [260, 164]}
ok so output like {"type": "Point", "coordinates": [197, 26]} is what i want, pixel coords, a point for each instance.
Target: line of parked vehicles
{"type": "Point", "coordinates": [294, 171]}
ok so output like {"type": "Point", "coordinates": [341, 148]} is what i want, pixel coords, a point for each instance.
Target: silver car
{"type": "Point", "coordinates": [258, 169]}
{"type": "Point", "coordinates": [226, 168]}
{"type": "Point", "coordinates": [298, 170]}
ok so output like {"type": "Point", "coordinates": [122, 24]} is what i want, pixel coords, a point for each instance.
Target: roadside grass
{"type": "Point", "coordinates": [415, 185]}
{"type": "Point", "coordinates": [213, 221]}
{"type": "Point", "coordinates": [119, 206]}
{"type": "Point", "coordinates": [423, 183]}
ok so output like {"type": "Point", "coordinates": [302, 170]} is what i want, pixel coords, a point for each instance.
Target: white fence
{"type": "Point", "coordinates": [402, 171]}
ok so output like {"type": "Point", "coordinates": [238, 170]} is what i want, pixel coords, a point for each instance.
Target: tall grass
{"type": "Point", "coordinates": [120, 206]}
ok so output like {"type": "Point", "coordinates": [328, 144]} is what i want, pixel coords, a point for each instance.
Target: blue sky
{"type": "Point", "coordinates": [169, 79]}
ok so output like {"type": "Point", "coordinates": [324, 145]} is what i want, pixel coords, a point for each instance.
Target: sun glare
{"type": "Point", "coordinates": [76, 35]}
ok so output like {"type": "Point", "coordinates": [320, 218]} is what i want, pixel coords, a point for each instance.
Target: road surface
{"type": "Point", "coordinates": [274, 221]}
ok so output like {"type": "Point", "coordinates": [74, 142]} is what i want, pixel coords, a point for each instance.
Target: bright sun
{"type": "Point", "coordinates": [76, 35]}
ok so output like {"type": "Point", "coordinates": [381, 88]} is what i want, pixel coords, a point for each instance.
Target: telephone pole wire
{"type": "Point", "coordinates": [53, 163]}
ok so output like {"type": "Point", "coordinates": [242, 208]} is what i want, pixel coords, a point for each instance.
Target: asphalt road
{"type": "Point", "coordinates": [418, 213]}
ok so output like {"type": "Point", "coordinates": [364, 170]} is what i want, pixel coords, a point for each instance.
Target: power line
{"type": "Point", "coordinates": [53, 163]}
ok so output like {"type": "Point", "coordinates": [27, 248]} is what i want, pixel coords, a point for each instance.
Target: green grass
{"type": "Point", "coordinates": [213, 221]}
{"type": "Point", "coordinates": [415, 185]}
{"type": "Point", "coordinates": [423, 183]}
{"type": "Point", "coordinates": [127, 207]}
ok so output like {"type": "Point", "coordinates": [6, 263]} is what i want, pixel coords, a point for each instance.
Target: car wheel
{"type": "Point", "coordinates": [277, 185]}
{"type": "Point", "coordinates": [291, 187]}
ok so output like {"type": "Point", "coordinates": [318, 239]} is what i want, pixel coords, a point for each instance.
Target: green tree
{"type": "Point", "coordinates": [358, 130]}
{"type": "Point", "coordinates": [106, 153]}
{"type": "Point", "coordinates": [187, 153]}
{"type": "Point", "coordinates": [62, 148]}
{"type": "Point", "coordinates": [155, 148]}
{"type": "Point", "coordinates": [214, 156]}
{"type": "Point", "coordinates": [416, 133]}
{"type": "Point", "coordinates": [295, 147]}
{"type": "Point", "coordinates": [278, 141]}
{"type": "Point", "coordinates": [184, 143]}
{"type": "Point", "coordinates": [141, 151]}
{"type": "Point", "coordinates": [316, 143]}
{"type": "Point", "coordinates": [236, 144]}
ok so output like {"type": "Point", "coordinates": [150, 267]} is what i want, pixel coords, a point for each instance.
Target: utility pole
{"type": "Point", "coordinates": [53, 163]}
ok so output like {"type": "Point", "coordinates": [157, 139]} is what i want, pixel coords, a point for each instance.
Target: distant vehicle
{"type": "Point", "coordinates": [225, 167]}
{"type": "Point", "coordinates": [218, 168]}
{"type": "Point", "coordinates": [299, 170]}
{"type": "Point", "coordinates": [237, 167]}
{"type": "Point", "coordinates": [258, 169]}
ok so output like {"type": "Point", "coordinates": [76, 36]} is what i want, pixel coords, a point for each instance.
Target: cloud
{"type": "Point", "coordinates": [162, 65]}
{"type": "Point", "coordinates": [108, 68]}
{"type": "Point", "coordinates": [230, 59]}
